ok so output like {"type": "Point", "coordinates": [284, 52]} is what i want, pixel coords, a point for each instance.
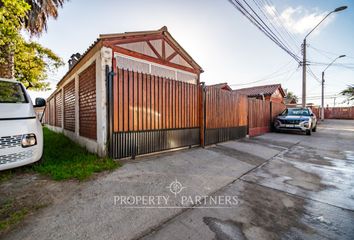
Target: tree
{"type": "Point", "coordinates": [290, 96]}
{"type": "Point", "coordinates": [27, 61]}
{"type": "Point", "coordinates": [37, 18]}
{"type": "Point", "coordinates": [349, 93]}
{"type": "Point", "coordinates": [32, 62]}
{"type": "Point", "coordinates": [12, 15]}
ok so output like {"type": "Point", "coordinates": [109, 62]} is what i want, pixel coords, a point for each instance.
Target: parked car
{"type": "Point", "coordinates": [301, 119]}
{"type": "Point", "coordinates": [21, 135]}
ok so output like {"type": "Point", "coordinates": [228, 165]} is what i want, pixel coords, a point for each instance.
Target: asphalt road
{"type": "Point", "coordinates": [286, 186]}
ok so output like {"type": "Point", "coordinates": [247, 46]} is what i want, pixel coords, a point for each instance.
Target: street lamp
{"type": "Point", "coordinates": [322, 98]}
{"type": "Point", "coordinates": [304, 54]}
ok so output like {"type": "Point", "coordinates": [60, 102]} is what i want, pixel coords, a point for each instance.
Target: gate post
{"type": "Point", "coordinates": [270, 118]}
{"type": "Point", "coordinates": [109, 91]}
{"type": "Point", "coordinates": [202, 113]}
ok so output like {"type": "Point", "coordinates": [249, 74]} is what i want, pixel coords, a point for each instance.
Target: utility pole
{"type": "Point", "coordinates": [304, 74]}
{"type": "Point", "coordinates": [304, 54]}
{"type": "Point", "coordinates": [322, 98]}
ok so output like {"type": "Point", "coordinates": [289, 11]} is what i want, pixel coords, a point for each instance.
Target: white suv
{"type": "Point", "coordinates": [21, 135]}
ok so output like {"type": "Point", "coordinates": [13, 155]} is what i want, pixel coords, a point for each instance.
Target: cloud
{"type": "Point", "coordinates": [298, 20]}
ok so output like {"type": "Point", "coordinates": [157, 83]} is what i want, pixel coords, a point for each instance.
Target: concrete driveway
{"type": "Point", "coordinates": [288, 186]}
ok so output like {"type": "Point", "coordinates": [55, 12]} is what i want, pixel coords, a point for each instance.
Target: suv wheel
{"type": "Point", "coordinates": [314, 129]}
{"type": "Point", "coordinates": [308, 132]}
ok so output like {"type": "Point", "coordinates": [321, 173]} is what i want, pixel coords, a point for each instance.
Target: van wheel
{"type": "Point", "coordinates": [308, 132]}
{"type": "Point", "coordinates": [314, 129]}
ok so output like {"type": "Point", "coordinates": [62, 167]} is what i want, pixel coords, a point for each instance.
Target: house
{"type": "Point", "coordinates": [274, 92]}
{"type": "Point", "coordinates": [223, 86]}
{"type": "Point", "coordinates": [126, 93]}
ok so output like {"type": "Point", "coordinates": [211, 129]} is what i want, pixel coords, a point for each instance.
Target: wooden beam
{"type": "Point", "coordinates": [179, 51]}
{"type": "Point", "coordinates": [132, 39]}
{"type": "Point", "coordinates": [169, 58]}
{"type": "Point", "coordinates": [163, 49]}
{"type": "Point", "coordinates": [154, 49]}
{"type": "Point", "coordinates": [149, 58]}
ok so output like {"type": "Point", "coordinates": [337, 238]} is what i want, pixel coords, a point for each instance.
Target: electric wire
{"type": "Point", "coordinates": [256, 20]}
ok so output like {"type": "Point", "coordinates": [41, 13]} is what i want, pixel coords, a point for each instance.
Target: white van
{"type": "Point", "coordinates": [21, 135]}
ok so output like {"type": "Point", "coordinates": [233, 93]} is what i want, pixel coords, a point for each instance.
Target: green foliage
{"type": "Point", "coordinates": [291, 96]}
{"type": "Point", "coordinates": [12, 15]}
{"type": "Point", "coordinates": [10, 215]}
{"type": "Point", "coordinates": [11, 93]}
{"type": "Point", "coordinates": [64, 159]}
{"type": "Point", "coordinates": [349, 93]}
{"type": "Point", "coordinates": [31, 60]}
{"type": "Point", "coordinates": [37, 18]}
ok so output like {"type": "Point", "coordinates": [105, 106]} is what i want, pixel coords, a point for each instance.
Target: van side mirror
{"type": "Point", "coordinates": [39, 102]}
{"type": "Point", "coordinates": [312, 115]}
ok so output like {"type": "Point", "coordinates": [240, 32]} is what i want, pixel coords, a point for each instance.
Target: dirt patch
{"type": "Point", "coordinates": [26, 193]}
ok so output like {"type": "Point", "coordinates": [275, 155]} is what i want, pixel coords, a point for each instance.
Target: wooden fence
{"type": "Point", "coordinates": [261, 115]}
{"type": "Point", "coordinates": [148, 113]}
{"type": "Point", "coordinates": [276, 109]}
{"type": "Point", "coordinates": [335, 112]}
{"type": "Point", "coordinates": [225, 115]}
{"type": "Point", "coordinates": [152, 113]}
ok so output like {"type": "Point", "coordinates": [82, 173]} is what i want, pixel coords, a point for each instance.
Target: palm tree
{"type": "Point", "coordinates": [349, 93]}
{"type": "Point", "coordinates": [41, 10]}
{"type": "Point", "coordinates": [290, 96]}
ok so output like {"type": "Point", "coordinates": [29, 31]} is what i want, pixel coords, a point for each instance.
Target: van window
{"type": "Point", "coordinates": [11, 92]}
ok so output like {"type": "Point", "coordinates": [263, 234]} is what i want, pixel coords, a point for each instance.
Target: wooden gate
{"type": "Point", "coordinates": [259, 117]}
{"type": "Point", "coordinates": [151, 113]}
{"type": "Point", "coordinates": [225, 115]}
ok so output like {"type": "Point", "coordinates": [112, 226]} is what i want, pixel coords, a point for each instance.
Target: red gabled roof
{"type": "Point", "coordinates": [223, 86]}
{"type": "Point", "coordinates": [265, 90]}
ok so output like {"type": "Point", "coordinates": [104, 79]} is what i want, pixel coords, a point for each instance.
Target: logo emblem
{"type": "Point", "coordinates": [176, 187]}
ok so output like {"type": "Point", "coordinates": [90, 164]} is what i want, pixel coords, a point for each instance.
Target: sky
{"type": "Point", "coordinates": [223, 42]}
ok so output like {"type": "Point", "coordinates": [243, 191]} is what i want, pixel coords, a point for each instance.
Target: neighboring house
{"type": "Point", "coordinates": [223, 86]}
{"type": "Point", "coordinates": [274, 93]}
{"type": "Point", "coordinates": [126, 84]}
{"type": "Point", "coordinates": [293, 101]}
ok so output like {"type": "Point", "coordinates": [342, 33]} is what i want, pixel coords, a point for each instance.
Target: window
{"type": "Point", "coordinates": [296, 112]}
{"type": "Point", "coordinates": [138, 65]}
{"type": "Point", "coordinates": [11, 92]}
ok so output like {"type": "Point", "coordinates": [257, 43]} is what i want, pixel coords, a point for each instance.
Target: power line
{"type": "Point", "coordinates": [256, 20]}
{"type": "Point", "coordinates": [279, 72]}
{"type": "Point", "coordinates": [328, 52]}
{"type": "Point", "coordinates": [261, 9]}
{"type": "Point", "coordinates": [290, 76]}
{"type": "Point", "coordinates": [333, 64]}
{"type": "Point", "coordinates": [309, 70]}
{"type": "Point", "coordinates": [278, 20]}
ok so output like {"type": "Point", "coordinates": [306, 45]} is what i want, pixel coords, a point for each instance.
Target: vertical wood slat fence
{"type": "Point", "coordinates": [152, 113]}
{"type": "Point", "coordinates": [276, 109]}
{"type": "Point", "coordinates": [335, 112]}
{"type": "Point", "coordinates": [258, 117]}
{"type": "Point", "coordinates": [225, 115]}
{"type": "Point", "coordinates": [261, 115]}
